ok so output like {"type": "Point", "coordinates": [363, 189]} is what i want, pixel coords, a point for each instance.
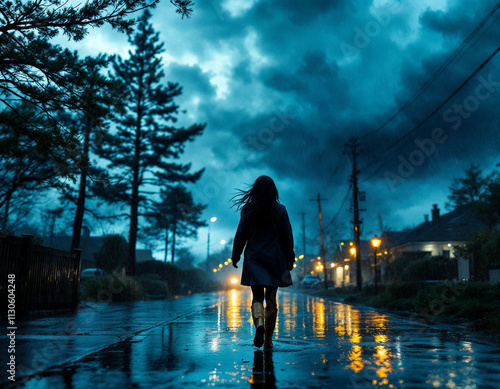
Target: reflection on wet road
{"type": "Point", "coordinates": [318, 343]}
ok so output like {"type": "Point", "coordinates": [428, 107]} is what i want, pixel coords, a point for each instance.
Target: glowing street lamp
{"type": "Point", "coordinates": [376, 244]}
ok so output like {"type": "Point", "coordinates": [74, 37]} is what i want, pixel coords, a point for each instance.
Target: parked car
{"type": "Point", "coordinates": [321, 284]}
{"type": "Point", "coordinates": [309, 280]}
{"type": "Point", "coordinates": [89, 273]}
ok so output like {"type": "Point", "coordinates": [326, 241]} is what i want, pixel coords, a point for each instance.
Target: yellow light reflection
{"type": "Point", "coordinates": [382, 357]}
{"type": "Point", "coordinates": [356, 358]}
{"type": "Point", "coordinates": [233, 313]}
{"type": "Point", "coordinates": [319, 319]}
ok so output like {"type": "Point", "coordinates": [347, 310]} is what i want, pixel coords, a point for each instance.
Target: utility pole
{"type": "Point", "coordinates": [303, 242]}
{"type": "Point", "coordinates": [353, 148]}
{"type": "Point", "coordinates": [323, 255]}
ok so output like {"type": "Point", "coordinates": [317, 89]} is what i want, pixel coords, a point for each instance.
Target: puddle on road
{"type": "Point", "coordinates": [318, 343]}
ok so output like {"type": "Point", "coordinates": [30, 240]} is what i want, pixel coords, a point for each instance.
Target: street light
{"type": "Point", "coordinates": [376, 244]}
{"type": "Point", "coordinates": [213, 220]}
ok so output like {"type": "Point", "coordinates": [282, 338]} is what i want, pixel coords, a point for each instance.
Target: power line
{"type": "Point", "coordinates": [453, 94]}
{"type": "Point", "coordinates": [438, 72]}
{"type": "Point", "coordinates": [340, 208]}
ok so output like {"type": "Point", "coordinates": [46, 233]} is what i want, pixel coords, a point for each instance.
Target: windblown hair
{"type": "Point", "coordinates": [259, 201]}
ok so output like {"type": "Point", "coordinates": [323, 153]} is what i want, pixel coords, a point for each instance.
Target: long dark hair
{"type": "Point", "coordinates": [259, 201]}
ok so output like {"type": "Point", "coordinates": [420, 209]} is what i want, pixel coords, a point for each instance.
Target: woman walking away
{"type": "Point", "coordinates": [264, 231]}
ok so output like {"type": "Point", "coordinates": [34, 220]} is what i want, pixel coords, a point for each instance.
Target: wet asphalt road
{"type": "Point", "coordinates": [206, 341]}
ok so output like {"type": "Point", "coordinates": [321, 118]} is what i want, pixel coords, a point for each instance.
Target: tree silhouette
{"type": "Point", "coordinates": [143, 148]}
{"type": "Point", "coordinates": [35, 72]}
{"type": "Point", "coordinates": [112, 254]}
{"type": "Point", "coordinates": [467, 190]}
{"type": "Point", "coordinates": [177, 214]}
{"type": "Point", "coordinates": [100, 98]}
{"type": "Point", "coordinates": [25, 164]}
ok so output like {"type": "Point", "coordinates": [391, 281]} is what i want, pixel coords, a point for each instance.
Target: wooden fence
{"type": "Point", "coordinates": [45, 278]}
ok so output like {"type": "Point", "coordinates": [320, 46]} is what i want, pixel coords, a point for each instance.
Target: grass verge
{"type": "Point", "coordinates": [476, 303]}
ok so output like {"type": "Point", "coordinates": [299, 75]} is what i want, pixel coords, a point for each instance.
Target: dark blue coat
{"type": "Point", "coordinates": [269, 254]}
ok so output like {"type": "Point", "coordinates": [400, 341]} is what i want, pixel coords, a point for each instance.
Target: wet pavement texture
{"type": "Point", "coordinates": [207, 340]}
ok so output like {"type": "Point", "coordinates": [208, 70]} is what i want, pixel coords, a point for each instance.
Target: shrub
{"type": "Point", "coordinates": [403, 290]}
{"type": "Point", "coordinates": [112, 254]}
{"type": "Point", "coordinates": [433, 268]}
{"type": "Point", "coordinates": [473, 309]}
{"type": "Point", "coordinates": [110, 288]}
{"type": "Point", "coordinates": [475, 290]}
{"type": "Point", "coordinates": [164, 271]}
{"type": "Point", "coordinates": [403, 304]}
{"type": "Point", "coordinates": [152, 287]}
{"type": "Point", "coordinates": [429, 298]}
{"type": "Point", "coordinates": [398, 266]}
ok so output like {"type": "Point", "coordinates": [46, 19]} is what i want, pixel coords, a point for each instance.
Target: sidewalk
{"type": "Point", "coordinates": [43, 343]}
{"type": "Point", "coordinates": [207, 340]}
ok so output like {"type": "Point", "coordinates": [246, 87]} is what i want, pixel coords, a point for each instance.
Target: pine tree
{"type": "Point", "coordinates": [36, 72]}
{"type": "Point", "coordinates": [100, 98]}
{"type": "Point", "coordinates": [28, 165]}
{"type": "Point", "coordinates": [145, 144]}
{"type": "Point", "coordinates": [175, 213]}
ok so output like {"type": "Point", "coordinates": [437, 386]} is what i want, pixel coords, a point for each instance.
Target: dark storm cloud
{"type": "Point", "coordinates": [468, 120]}
{"type": "Point", "coordinates": [450, 25]}
{"type": "Point", "coordinates": [283, 85]}
{"type": "Point", "coordinates": [192, 79]}
{"type": "Point", "coordinates": [299, 12]}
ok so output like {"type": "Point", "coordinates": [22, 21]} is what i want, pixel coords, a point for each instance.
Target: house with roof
{"type": "Point", "coordinates": [439, 236]}
{"type": "Point", "coordinates": [434, 237]}
{"type": "Point", "coordinates": [343, 272]}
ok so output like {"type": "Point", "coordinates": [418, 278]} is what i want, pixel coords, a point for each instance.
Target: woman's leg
{"type": "Point", "coordinates": [257, 294]}
{"type": "Point", "coordinates": [271, 313]}
{"type": "Point", "coordinates": [270, 295]}
{"type": "Point", "coordinates": [258, 314]}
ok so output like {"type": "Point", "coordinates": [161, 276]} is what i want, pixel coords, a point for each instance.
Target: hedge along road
{"type": "Point", "coordinates": [206, 340]}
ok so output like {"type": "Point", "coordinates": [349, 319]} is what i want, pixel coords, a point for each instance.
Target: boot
{"type": "Point", "coordinates": [258, 321]}
{"type": "Point", "coordinates": [270, 325]}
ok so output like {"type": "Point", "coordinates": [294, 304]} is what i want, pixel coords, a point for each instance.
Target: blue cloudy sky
{"type": "Point", "coordinates": [283, 85]}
